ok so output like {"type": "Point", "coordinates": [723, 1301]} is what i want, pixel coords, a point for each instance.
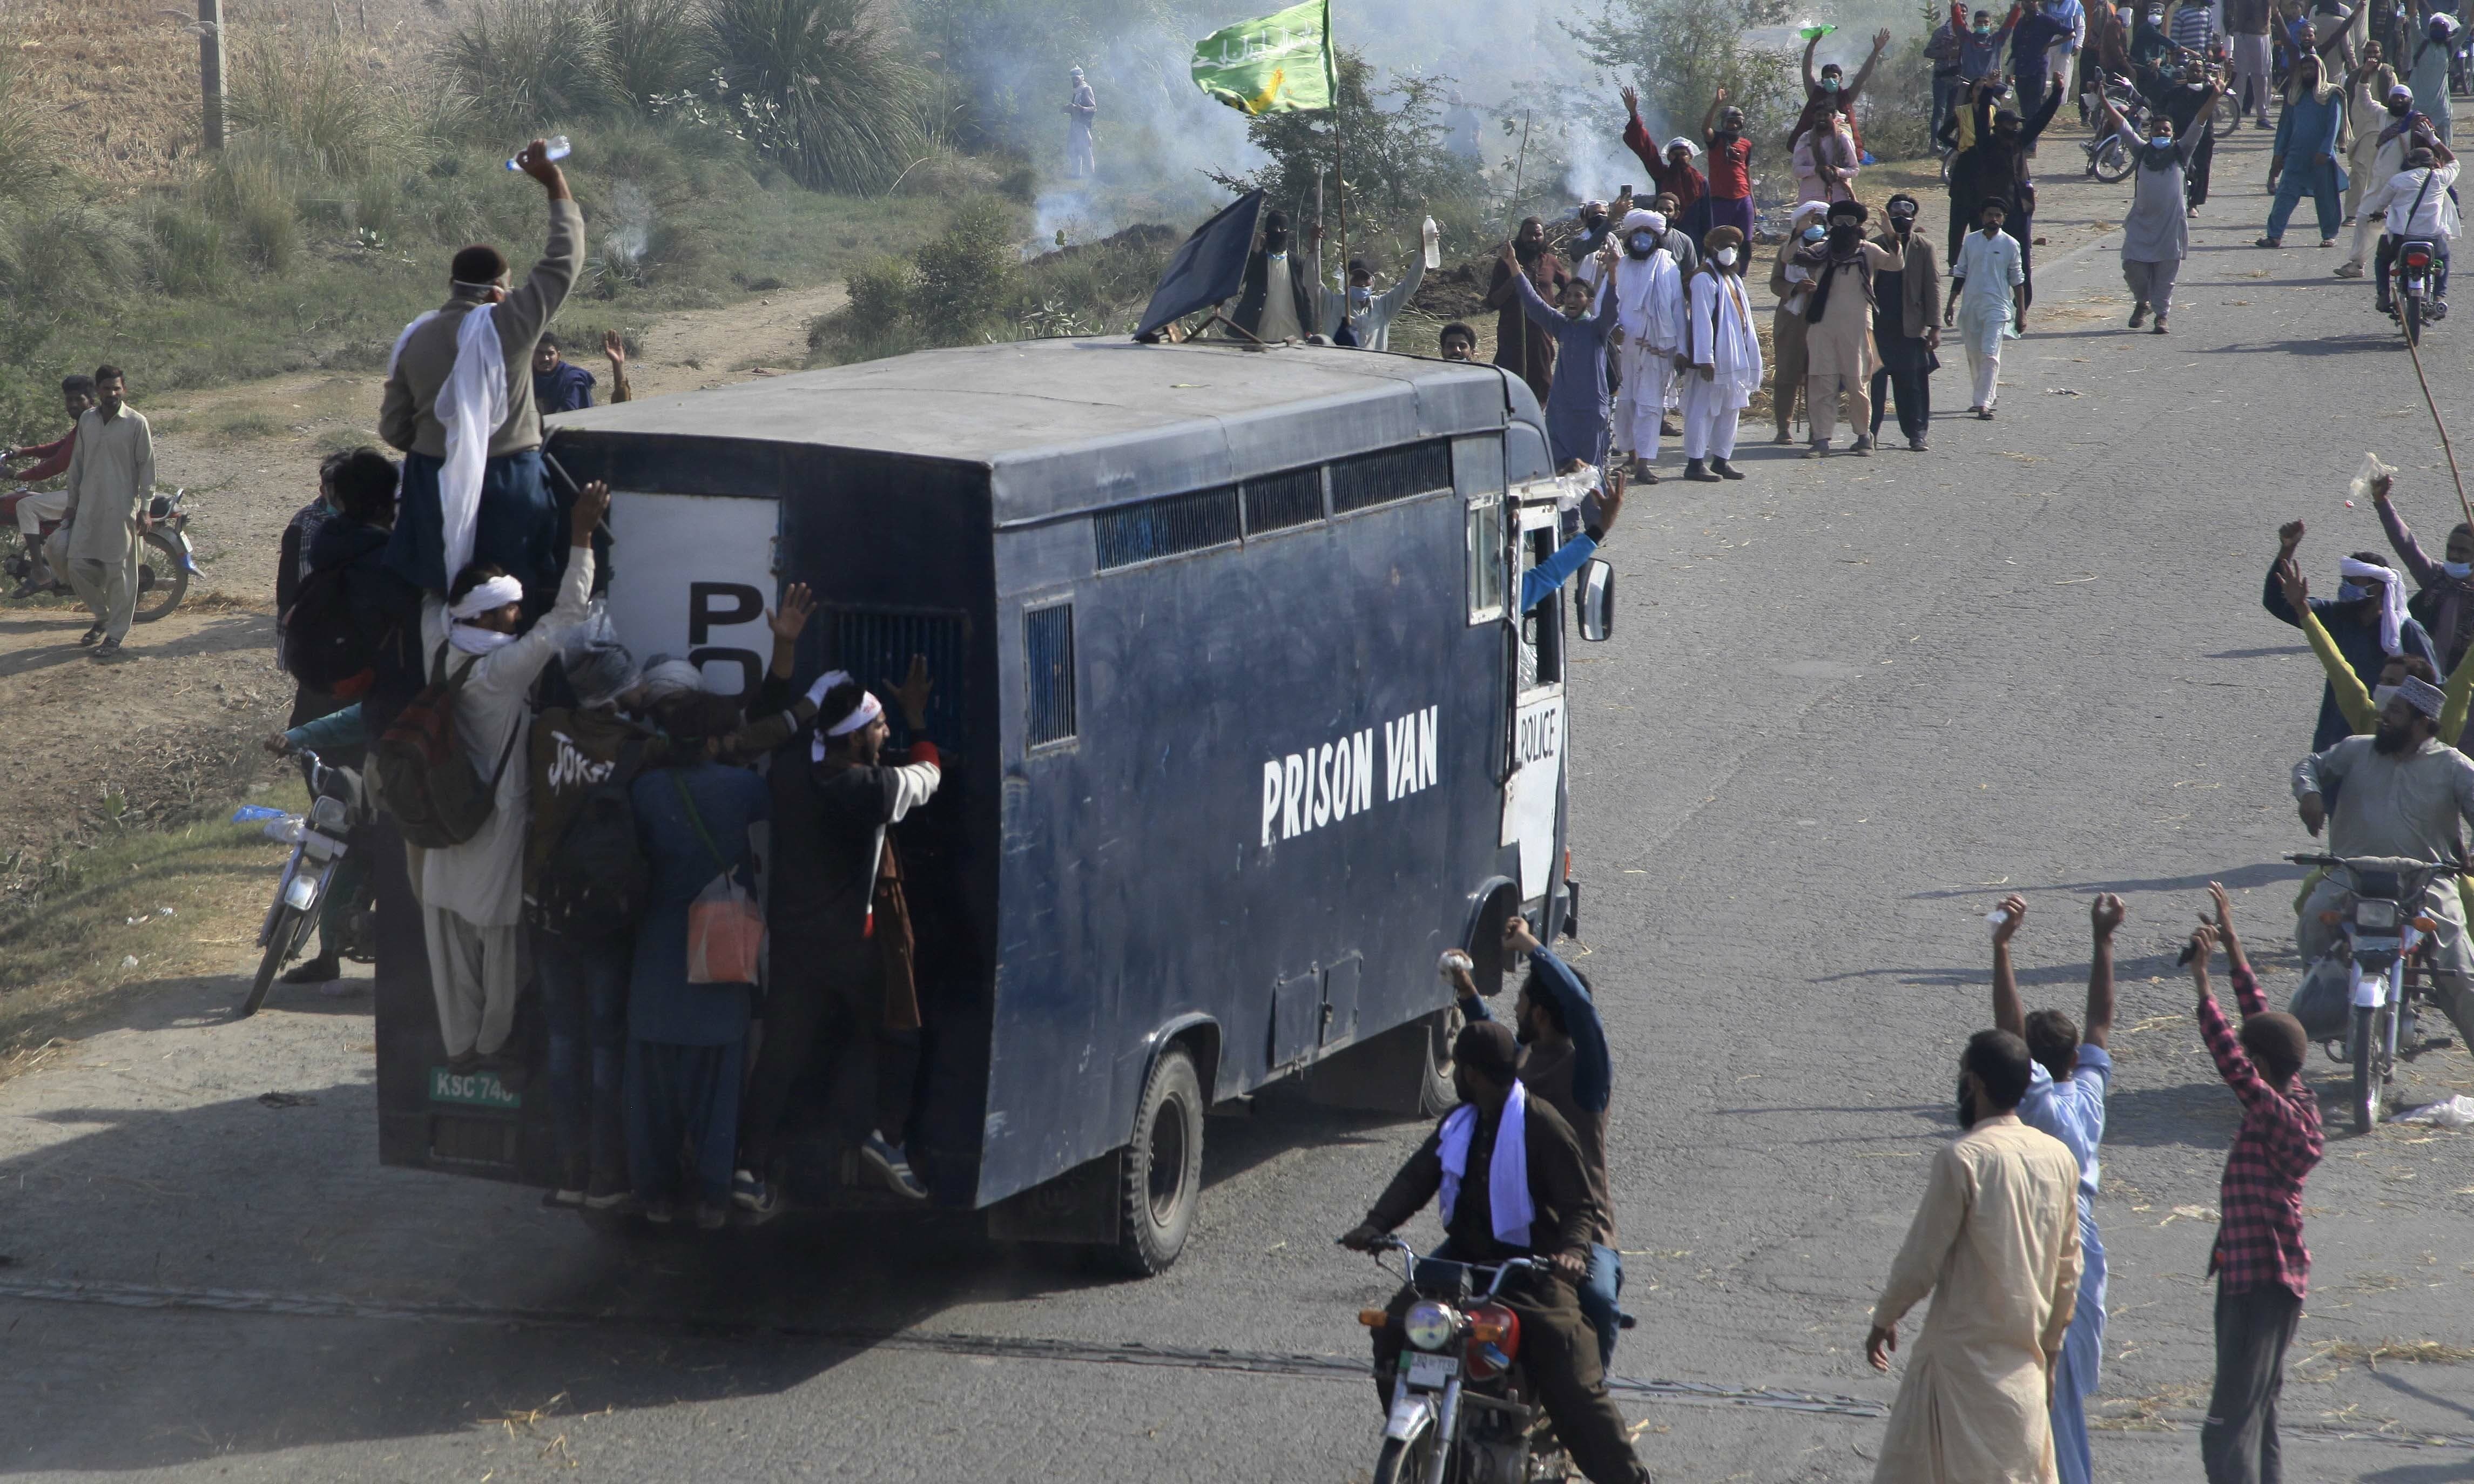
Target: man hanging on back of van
{"type": "Point", "coordinates": [459, 402]}
{"type": "Point", "coordinates": [842, 933]}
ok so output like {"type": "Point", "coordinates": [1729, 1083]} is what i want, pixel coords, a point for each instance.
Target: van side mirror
{"type": "Point", "coordinates": [1597, 607]}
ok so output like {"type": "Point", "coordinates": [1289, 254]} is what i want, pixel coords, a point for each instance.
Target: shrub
{"type": "Point", "coordinates": [881, 291]}
{"type": "Point", "coordinates": [251, 191]}
{"type": "Point", "coordinates": [29, 168]}
{"type": "Point", "coordinates": [317, 107]}
{"type": "Point", "coordinates": [655, 47]}
{"type": "Point", "coordinates": [526, 63]}
{"type": "Point", "coordinates": [191, 255]}
{"type": "Point", "coordinates": [965, 273]}
{"type": "Point", "coordinates": [822, 86]}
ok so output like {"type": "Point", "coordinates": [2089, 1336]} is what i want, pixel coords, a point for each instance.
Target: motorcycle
{"type": "Point", "coordinates": [2417, 300]}
{"type": "Point", "coordinates": [164, 566]}
{"type": "Point", "coordinates": [2382, 946]}
{"type": "Point", "coordinates": [2109, 160]}
{"type": "Point", "coordinates": [1462, 1408]}
{"type": "Point", "coordinates": [338, 805]}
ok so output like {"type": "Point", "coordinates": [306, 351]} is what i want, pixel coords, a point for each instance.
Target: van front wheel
{"type": "Point", "coordinates": [1160, 1170]}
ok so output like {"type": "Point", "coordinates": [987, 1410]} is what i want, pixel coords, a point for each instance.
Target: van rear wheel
{"type": "Point", "coordinates": [1159, 1178]}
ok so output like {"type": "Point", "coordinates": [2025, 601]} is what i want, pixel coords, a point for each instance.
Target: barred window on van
{"type": "Point", "coordinates": [1279, 501]}
{"type": "Point", "coordinates": [1154, 528]}
{"type": "Point", "coordinates": [1048, 674]}
{"type": "Point", "coordinates": [1393, 473]}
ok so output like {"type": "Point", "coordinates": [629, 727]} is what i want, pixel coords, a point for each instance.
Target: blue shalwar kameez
{"type": "Point", "coordinates": [1577, 403]}
{"type": "Point", "coordinates": [2073, 1111]}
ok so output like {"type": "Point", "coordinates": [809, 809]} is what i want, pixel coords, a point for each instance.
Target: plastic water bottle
{"type": "Point", "coordinates": [559, 149]}
{"type": "Point", "coordinates": [1433, 236]}
{"type": "Point", "coordinates": [251, 813]}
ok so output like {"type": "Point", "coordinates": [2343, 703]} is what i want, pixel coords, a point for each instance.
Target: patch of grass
{"type": "Point", "coordinates": [239, 425]}
{"type": "Point", "coordinates": [66, 928]}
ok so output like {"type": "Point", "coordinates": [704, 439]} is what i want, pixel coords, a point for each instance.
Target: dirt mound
{"type": "Point", "coordinates": [1141, 238]}
{"type": "Point", "coordinates": [1455, 291]}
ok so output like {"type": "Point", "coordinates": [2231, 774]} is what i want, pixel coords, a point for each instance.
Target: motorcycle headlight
{"type": "Point", "coordinates": [329, 814]}
{"type": "Point", "coordinates": [299, 892]}
{"type": "Point", "coordinates": [2371, 913]}
{"type": "Point", "coordinates": [1430, 1325]}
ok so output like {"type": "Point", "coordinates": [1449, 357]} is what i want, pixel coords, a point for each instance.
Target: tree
{"type": "Point", "coordinates": [1398, 165]}
{"type": "Point", "coordinates": [1679, 53]}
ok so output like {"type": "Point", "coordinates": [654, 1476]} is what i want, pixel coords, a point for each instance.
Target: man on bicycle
{"type": "Point", "coordinates": [51, 461]}
{"type": "Point", "coordinates": [1548, 1215]}
{"type": "Point", "coordinates": [2404, 792]}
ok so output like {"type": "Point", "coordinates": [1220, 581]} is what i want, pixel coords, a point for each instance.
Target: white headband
{"type": "Point", "coordinates": [868, 709]}
{"type": "Point", "coordinates": [2392, 601]}
{"type": "Point", "coordinates": [1688, 148]}
{"type": "Point", "coordinates": [1808, 208]}
{"type": "Point", "coordinates": [497, 592]}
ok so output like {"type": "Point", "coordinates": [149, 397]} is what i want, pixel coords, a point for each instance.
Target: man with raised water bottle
{"type": "Point", "coordinates": [459, 402]}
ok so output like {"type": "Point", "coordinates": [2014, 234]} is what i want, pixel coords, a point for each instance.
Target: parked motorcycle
{"type": "Point", "coordinates": [2417, 281]}
{"type": "Point", "coordinates": [164, 566]}
{"type": "Point", "coordinates": [2382, 946]}
{"type": "Point", "coordinates": [338, 805]}
{"type": "Point", "coordinates": [1462, 1408]}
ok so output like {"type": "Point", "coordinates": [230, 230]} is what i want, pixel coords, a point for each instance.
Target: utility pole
{"type": "Point", "coordinates": [210, 69]}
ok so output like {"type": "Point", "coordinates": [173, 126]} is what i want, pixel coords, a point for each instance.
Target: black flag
{"type": "Point", "coordinates": [1211, 267]}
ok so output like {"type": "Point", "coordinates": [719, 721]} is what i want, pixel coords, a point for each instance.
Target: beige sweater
{"type": "Point", "coordinates": [407, 416]}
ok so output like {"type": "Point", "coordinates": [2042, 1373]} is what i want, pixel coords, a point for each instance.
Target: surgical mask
{"type": "Point", "coordinates": [2163, 141]}
{"type": "Point", "coordinates": [1723, 257]}
{"type": "Point", "coordinates": [2351, 592]}
{"type": "Point", "coordinates": [2156, 17]}
{"type": "Point", "coordinates": [1984, 28]}
{"type": "Point", "coordinates": [1641, 244]}
{"type": "Point", "coordinates": [1360, 296]}
{"type": "Point", "coordinates": [1815, 233]}
{"type": "Point", "coordinates": [1829, 83]}
{"type": "Point", "coordinates": [2460, 571]}
{"type": "Point", "coordinates": [2382, 694]}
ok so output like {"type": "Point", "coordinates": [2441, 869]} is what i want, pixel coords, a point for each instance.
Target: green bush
{"type": "Point", "coordinates": [655, 47]}
{"type": "Point", "coordinates": [882, 289]}
{"type": "Point", "coordinates": [191, 255]}
{"type": "Point", "coordinates": [822, 90]}
{"type": "Point", "coordinates": [319, 108]}
{"type": "Point", "coordinates": [526, 63]}
{"type": "Point", "coordinates": [966, 274]}
{"type": "Point", "coordinates": [251, 191]}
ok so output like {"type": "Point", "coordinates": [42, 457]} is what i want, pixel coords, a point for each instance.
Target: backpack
{"type": "Point", "coordinates": [596, 881]}
{"type": "Point", "coordinates": [419, 776]}
{"type": "Point", "coordinates": [323, 647]}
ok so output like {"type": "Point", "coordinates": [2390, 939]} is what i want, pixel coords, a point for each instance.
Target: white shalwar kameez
{"type": "Point", "coordinates": [1990, 266]}
{"type": "Point", "coordinates": [1649, 305]}
{"type": "Point", "coordinates": [1719, 334]}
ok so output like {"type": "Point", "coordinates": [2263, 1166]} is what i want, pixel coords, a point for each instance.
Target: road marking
{"type": "Point", "coordinates": [1332, 1368]}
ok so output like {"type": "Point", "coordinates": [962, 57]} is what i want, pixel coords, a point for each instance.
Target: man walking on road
{"type": "Point", "coordinates": [2065, 1098]}
{"type": "Point", "coordinates": [2261, 1266]}
{"type": "Point", "coordinates": [111, 473]}
{"type": "Point", "coordinates": [2304, 154]}
{"type": "Point", "coordinates": [1907, 326]}
{"type": "Point", "coordinates": [1997, 1244]}
{"type": "Point", "coordinates": [2156, 233]}
{"type": "Point", "coordinates": [2247, 23]}
{"type": "Point", "coordinates": [1987, 301]}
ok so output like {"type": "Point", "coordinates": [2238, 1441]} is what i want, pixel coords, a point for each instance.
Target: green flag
{"type": "Point", "coordinates": [1278, 64]}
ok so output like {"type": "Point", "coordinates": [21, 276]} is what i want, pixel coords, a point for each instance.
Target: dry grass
{"type": "Point", "coordinates": [123, 74]}
{"type": "Point", "coordinates": [2146, 1414]}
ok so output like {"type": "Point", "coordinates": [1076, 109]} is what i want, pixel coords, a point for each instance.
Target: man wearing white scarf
{"type": "Point", "coordinates": [1509, 1176]}
{"type": "Point", "coordinates": [2367, 619]}
{"type": "Point", "coordinates": [459, 402]}
{"type": "Point", "coordinates": [1724, 354]}
{"type": "Point", "coordinates": [471, 895]}
{"type": "Point", "coordinates": [1649, 306]}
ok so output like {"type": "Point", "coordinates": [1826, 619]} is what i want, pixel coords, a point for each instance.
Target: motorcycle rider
{"type": "Point", "coordinates": [1552, 1216]}
{"type": "Point", "coordinates": [2420, 202]}
{"type": "Point", "coordinates": [2405, 791]}
{"type": "Point", "coordinates": [1564, 1059]}
{"type": "Point", "coordinates": [51, 461]}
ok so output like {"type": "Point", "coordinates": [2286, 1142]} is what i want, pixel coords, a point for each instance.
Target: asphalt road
{"type": "Point", "coordinates": [1850, 705]}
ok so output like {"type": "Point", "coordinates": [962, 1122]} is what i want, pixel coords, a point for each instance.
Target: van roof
{"type": "Point", "coordinates": [1069, 425]}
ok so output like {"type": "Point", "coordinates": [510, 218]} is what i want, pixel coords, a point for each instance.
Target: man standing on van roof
{"type": "Point", "coordinates": [1282, 293]}
{"type": "Point", "coordinates": [459, 402]}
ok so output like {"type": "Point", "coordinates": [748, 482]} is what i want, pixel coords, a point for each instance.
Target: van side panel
{"type": "Point", "coordinates": [1279, 793]}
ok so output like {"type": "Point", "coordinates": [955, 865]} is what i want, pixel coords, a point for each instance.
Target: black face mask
{"type": "Point", "coordinates": [1845, 235]}
{"type": "Point", "coordinates": [1275, 239]}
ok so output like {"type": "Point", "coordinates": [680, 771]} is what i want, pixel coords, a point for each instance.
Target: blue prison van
{"type": "Point", "coordinates": [1242, 729]}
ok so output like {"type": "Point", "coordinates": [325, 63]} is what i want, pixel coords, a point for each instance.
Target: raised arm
{"type": "Point", "coordinates": [2245, 983]}
{"type": "Point", "coordinates": [2105, 915]}
{"type": "Point", "coordinates": [2008, 1014]}
{"type": "Point", "coordinates": [1533, 304]}
{"type": "Point", "coordinates": [2044, 114]}
{"type": "Point", "coordinates": [1810, 81]}
{"type": "Point", "coordinates": [2271, 593]}
{"type": "Point", "coordinates": [1636, 135]}
{"type": "Point", "coordinates": [2353, 697]}
{"type": "Point", "coordinates": [1864, 73]}
{"type": "Point", "coordinates": [2233, 1063]}
{"type": "Point", "coordinates": [1594, 1066]}
{"type": "Point", "coordinates": [1710, 119]}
